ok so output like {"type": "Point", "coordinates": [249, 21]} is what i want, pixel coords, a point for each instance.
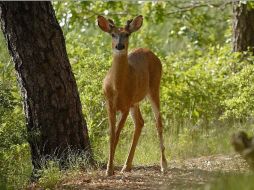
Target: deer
{"type": "Point", "coordinates": [131, 78]}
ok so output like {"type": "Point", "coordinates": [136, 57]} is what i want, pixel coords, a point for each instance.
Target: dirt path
{"type": "Point", "coordinates": [186, 174]}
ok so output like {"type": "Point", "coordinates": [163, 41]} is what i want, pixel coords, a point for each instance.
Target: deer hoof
{"type": "Point", "coordinates": [109, 172]}
{"type": "Point", "coordinates": [164, 166]}
{"type": "Point", "coordinates": [126, 169]}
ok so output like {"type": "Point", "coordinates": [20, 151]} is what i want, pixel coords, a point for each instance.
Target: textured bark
{"type": "Point", "coordinates": [52, 105]}
{"type": "Point", "coordinates": [243, 27]}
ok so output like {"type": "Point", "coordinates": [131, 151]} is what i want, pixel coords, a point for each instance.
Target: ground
{"type": "Point", "coordinates": [181, 174]}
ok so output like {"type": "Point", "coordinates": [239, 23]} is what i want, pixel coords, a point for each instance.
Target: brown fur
{"type": "Point", "coordinates": [130, 79]}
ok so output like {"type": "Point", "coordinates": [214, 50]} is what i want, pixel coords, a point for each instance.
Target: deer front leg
{"type": "Point", "coordinates": [120, 126]}
{"type": "Point", "coordinates": [139, 123]}
{"type": "Point", "coordinates": [112, 121]}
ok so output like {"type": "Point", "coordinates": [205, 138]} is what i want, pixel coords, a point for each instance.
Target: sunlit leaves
{"type": "Point", "coordinates": [203, 26]}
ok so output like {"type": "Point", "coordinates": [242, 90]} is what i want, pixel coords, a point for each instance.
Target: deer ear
{"type": "Point", "coordinates": [134, 24]}
{"type": "Point", "coordinates": [104, 24]}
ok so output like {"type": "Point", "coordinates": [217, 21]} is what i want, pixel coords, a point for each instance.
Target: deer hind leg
{"type": "Point", "coordinates": [155, 102]}
{"type": "Point", "coordinates": [139, 123]}
{"type": "Point", "coordinates": [112, 121]}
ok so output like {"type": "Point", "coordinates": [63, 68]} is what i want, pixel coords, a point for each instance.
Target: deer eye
{"type": "Point", "coordinates": [113, 35]}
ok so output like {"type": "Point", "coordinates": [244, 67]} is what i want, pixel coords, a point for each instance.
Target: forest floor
{"type": "Point", "coordinates": [195, 173]}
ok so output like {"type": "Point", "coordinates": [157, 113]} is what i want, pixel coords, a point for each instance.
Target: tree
{"type": "Point", "coordinates": [243, 26]}
{"type": "Point", "coordinates": [52, 106]}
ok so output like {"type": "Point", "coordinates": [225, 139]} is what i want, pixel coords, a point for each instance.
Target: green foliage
{"type": "Point", "coordinates": [195, 91]}
{"type": "Point", "coordinates": [239, 104]}
{"type": "Point", "coordinates": [89, 71]}
{"type": "Point", "coordinates": [199, 90]}
{"type": "Point", "coordinates": [206, 90]}
{"type": "Point", "coordinates": [165, 28]}
{"type": "Point", "coordinates": [207, 86]}
{"type": "Point", "coordinates": [15, 162]}
{"type": "Point", "coordinates": [15, 166]}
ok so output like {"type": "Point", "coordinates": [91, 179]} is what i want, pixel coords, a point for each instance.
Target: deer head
{"type": "Point", "coordinates": [120, 35]}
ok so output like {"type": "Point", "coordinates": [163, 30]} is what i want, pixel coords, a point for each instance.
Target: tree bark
{"type": "Point", "coordinates": [243, 27]}
{"type": "Point", "coordinates": [52, 106]}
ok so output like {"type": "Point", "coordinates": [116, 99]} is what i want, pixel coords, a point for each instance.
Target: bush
{"type": "Point", "coordinates": [200, 89]}
{"type": "Point", "coordinates": [204, 87]}
{"type": "Point", "coordinates": [205, 92]}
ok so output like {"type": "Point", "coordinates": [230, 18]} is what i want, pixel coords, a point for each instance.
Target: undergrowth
{"type": "Point", "coordinates": [206, 95]}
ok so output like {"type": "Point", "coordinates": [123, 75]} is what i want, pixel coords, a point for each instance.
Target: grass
{"type": "Point", "coordinates": [190, 142]}
{"type": "Point", "coordinates": [51, 175]}
{"type": "Point", "coordinates": [233, 182]}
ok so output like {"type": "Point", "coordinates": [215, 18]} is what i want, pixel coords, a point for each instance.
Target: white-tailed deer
{"type": "Point", "coordinates": [130, 79]}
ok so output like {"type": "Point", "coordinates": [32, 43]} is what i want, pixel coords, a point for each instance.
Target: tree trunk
{"type": "Point", "coordinates": [52, 106]}
{"type": "Point", "coordinates": [243, 27]}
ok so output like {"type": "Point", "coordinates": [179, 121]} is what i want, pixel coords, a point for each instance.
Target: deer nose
{"type": "Point", "coordinates": [120, 46]}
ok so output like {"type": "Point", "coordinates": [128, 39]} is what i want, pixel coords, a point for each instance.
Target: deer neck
{"type": "Point", "coordinates": [120, 70]}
